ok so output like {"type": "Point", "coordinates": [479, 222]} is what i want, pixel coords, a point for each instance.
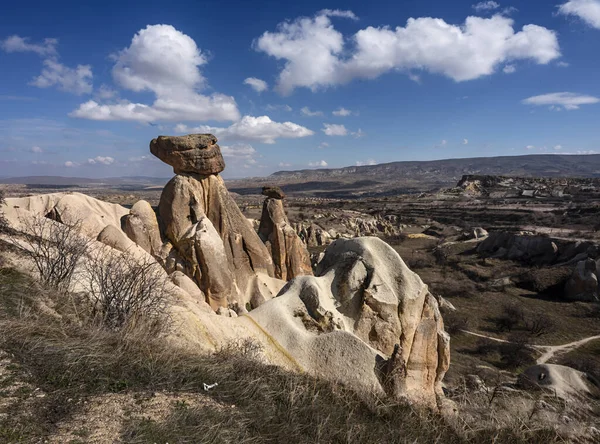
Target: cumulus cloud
{"type": "Point", "coordinates": [307, 112]}
{"type": "Point", "coordinates": [284, 164]}
{"type": "Point", "coordinates": [101, 160]}
{"type": "Point", "coordinates": [358, 134]}
{"type": "Point", "coordinates": [250, 128]}
{"type": "Point", "coordinates": [486, 6]}
{"type": "Point", "coordinates": [342, 112]}
{"type": "Point", "coordinates": [257, 85]}
{"type": "Point", "coordinates": [76, 80]}
{"type": "Point", "coordinates": [315, 55]}
{"type": "Point", "coordinates": [323, 145]}
{"type": "Point", "coordinates": [36, 149]}
{"type": "Point", "coordinates": [566, 100]}
{"type": "Point", "coordinates": [465, 141]}
{"type": "Point", "coordinates": [166, 62]}
{"type": "Point", "coordinates": [239, 150]}
{"type": "Point", "coordinates": [509, 69]}
{"type": "Point", "coordinates": [318, 164]}
{"type": "Point", "coordinates": [586, 10]}
{"type": "Point", "coordinates": [70, 164]}
{"type": "Point", "coordinates": [331, 129]}
{"type": "Point", "coordinates": [15, 43]}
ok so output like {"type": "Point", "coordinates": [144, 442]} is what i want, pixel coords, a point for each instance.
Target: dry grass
{"type": "Point", "coordinates": [70, 361]}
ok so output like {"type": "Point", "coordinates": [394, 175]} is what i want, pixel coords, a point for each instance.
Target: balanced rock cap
{"type": "Point", "coordinates": [194, 153]}
{"type": "Point", "coordinates": [273, 191]}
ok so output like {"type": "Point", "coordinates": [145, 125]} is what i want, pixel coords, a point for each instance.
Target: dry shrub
{"type": "Point", "coordinates": [55, 248]}
{"type": "Point", "coordinates": [511, 316]}
{"type": "Point", "coordinates": [125, 290]}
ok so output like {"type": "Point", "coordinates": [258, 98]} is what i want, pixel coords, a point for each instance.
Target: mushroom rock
{"type": "Point", "coordinates": [194, 153]}
{"type": "Point", "coordinates": [274, 192]}
{"type": "Point", "coordinates": [141, 226]}
{"type": "Point", "coordinates": [194, 207]}
{"type": "Point", "coordinates": [290, 256]}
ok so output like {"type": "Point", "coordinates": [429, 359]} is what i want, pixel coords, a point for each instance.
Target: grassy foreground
{"type": "Point", "coordinates": [58, 361]}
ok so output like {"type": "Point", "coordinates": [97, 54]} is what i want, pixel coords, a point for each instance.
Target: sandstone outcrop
{"type": "Point", "coordinates": [213, 243]}
{"type": "Point", "coordinates": [194, 153]}
{"type": "Point", "coordinates": [363, 308]}
{"type": "Point", "coordinates": [290, 256]}
{"type": "Point", "coordinates": [141, 226]}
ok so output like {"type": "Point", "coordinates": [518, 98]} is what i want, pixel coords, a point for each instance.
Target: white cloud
{"type": "Point", "coordinates": [414, 77]}
{"type": "Point", "coordinates": [100, 160]}
{"type": "Point", "coordinates": [443, 143]}
{"type": "Point", "coordinates": [509, 69]}
{"type": "Point", "coordinates": [331, 129]}
{"type": "Point", "coordinates": [530, 147]}
{"type": "Point", "coordinates": [284, 164]}
{"type": "Point", "coordinates": [75, 80]}
{"type": "Point", "coordinates": [586, 10]}
{"type": "Point", "coordinates": [315, 56]}
{"type": "Point", "coordinates": [307, 112]}
{"type": "Point", "coordinates": [166, 62]}
{"type": "Point", "coordinates": [249, 128]}
{"type": "Point", "coordinates": [485, 6]}
{"type": "Point", "coordinates": [342, 112]}
{"type": "Point", "coordinates": [257, 85]}
{"type": "Point", "coordinates": [558, 147]}
{"type": "Point", "coordinates": [105, 92]}
{"type": "Point", "coordinates": [465, 141]}
{"type": "Point", "coordinates": [367, 162]}
{"type": "Point", "coordinates": [238, 150]}
{"type": "Point", "coordinates": [338, 13]}
{"type": "Point", "coordinates": [319, 164]}
{"type": "Point", "coordinates": [16, 43]}
{"type": "Point", "coordinates": [70, 164]}
{"type": "Point", "coordinates": [323, 145]}
{"type": "Point", "coordinates": [287, 108]}
{"type": "Point", "coordinates": [358, 134]}
{"type": "Point", "coordinates": [567, 100]}
{"type": "Point", "coordinates": [36, 149]}
{"type": "Point", "coordinates": [562, 64]}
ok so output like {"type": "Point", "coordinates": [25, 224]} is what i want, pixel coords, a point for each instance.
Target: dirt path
{"type": "Point", "coordinates": [553, 350]}
{"type": "Point", "coordinates": [549, 351]}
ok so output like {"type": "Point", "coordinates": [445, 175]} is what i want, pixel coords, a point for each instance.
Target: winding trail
{"type": "Point", "coordinates": [548, 351]}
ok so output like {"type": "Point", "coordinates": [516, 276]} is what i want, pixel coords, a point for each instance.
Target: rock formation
{"type": "Point", "coordinates": [213, 243]}
{"type": "Point", "coordinates": [290, 256]}
{"type": "Point", "coordinates": [141, 226]}
{"type": "Point", "coordinates": [583, 284]}
{"type": "Point", "coordinates": [372, 317]}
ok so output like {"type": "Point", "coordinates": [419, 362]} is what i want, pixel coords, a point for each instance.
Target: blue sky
{"type": "Point", "coordinates": [84, 86]}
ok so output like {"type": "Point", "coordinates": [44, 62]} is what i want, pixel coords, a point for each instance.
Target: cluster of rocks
{"type": "Point", "coordinates": [527, 187]}
{"type": "Point", "coordinates": [348, 227]}
{"type": "Point", "coordinates": [545, 251]}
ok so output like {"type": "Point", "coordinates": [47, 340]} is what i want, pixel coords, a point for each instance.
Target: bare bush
{"type": "Point", "coordinates": [126, 290]}
{"type": "Point", "coordinates": [511, 317]}
{"type": "Point", "coordinates": [55, 248]}
{"type": "Point", "coordinates": [516, 352]}
{"type": "Point", "coordinates": [540, 324]}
